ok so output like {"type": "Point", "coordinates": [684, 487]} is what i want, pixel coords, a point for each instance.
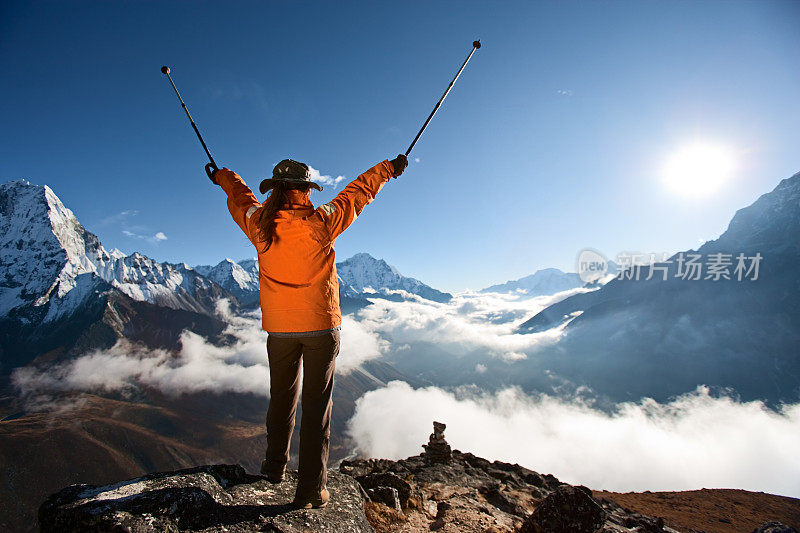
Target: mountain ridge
{"type": "Point", "coordinates": [738, 331]}
{"type": "Point", "coordinates": [44, 245]}
{"type": "Point", "coordinates": [545, 281]}
{"type": "Point", "coordinates": [360, 277]}
{"type": "Point", "coordinates": [363, 276]}
{"type": "Point", "coordinates": [57, 281]}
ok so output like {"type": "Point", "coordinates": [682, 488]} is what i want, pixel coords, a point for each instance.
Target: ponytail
{"type": "Point", "coordinates": [274, 202]}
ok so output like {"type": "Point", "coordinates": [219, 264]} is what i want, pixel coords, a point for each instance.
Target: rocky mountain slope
{"type": "Point", "coordinates": [212, 498]}
{"type": "Point", "coordinates": [61, 292]}
{"type": "Point", "coordinates": [725, 315]}
{"type": "Point", "coordinates": [438, 490]}
{"type": "Point", "coordinates": [47, 253]}
{"type": "Point", "coordinates": [45, 442]}
{"type": "Point", "coordinates": [240, 279]}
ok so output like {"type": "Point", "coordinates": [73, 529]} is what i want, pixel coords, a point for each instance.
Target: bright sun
{"type": "Point", "coordinates": [699, 169]}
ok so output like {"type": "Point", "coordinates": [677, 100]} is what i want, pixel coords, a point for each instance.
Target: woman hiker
{"type": "Point", "coordinates": [300, 304]}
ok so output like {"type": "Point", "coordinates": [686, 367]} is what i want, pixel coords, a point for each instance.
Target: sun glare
{"type": "Point", "coordinates": [699, 169]}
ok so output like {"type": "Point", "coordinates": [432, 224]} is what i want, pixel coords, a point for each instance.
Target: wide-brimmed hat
{"type": "Point", "coordinates": [289, 171]}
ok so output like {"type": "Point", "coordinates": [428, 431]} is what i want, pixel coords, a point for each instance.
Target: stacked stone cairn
{"type": "Point", "coordinates": [437, 450]}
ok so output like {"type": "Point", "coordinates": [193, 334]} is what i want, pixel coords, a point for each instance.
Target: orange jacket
{"type": "Point", "coordinates": [297, 274]}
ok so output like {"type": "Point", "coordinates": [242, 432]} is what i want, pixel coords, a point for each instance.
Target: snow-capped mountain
{"type": "Point", "coordinates": [250, 266]}
{"type": "Point", "coordinates": [363, 276]}
{"type": "Point", "coordinates": [543, 282]}
{"type": "Point", "coordinates": [51, 266]}
{"type": "Point", "coordinates": [62, 293]}
{"type": "Point", "coordinates": [46, 254]}
{"type": "Point", "coordinates": [240, 279]}
{"type": "Point", "coordinates": [546, 282]}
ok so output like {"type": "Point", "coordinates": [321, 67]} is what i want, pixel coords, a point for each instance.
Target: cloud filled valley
{"type": "Point", "coordinates": [469, 323]}
{"type": "Point", "coordinates": [697, 439]}
{"type": "Point", "coordinates": [624, 385]}
{"type": "Point", "coordinates": [198, 366]}
{"type": "Point", "coordinates": [694, 441]}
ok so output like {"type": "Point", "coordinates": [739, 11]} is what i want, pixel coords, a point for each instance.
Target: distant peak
{"type": "Point", "coordinates": [116, 253]}
{"type": "Point", "coordinates": [19, 182]}
{"type": "Point", "coordinates": [248, 263]}
{"type": "Point", "coordinates": [26, 193]}
{"type": "Point", "coordinates": [362, 256]}
{"type": "Point", "coordinates": [22, 188]}
{"type": "Point", "coordinates": [549, 271]}
{"type": "Point", "coordinates": [789, 183]}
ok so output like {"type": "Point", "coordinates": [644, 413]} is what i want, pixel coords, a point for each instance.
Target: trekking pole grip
{"type": "Point", "coordinates": [212, 169]}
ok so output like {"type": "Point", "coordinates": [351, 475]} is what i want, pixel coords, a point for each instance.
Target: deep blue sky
{"type": "Point", "coordinates": [553, 139]}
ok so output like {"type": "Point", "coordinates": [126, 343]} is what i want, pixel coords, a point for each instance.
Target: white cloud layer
{"type": "Point", "coordinates": [198, 366]}
{"type": "Point", "coordinates": [470, 321]}
{"type": "Point", "coordinates": [692, 442]}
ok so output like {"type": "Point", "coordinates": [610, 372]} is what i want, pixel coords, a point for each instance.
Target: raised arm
{"type": "Point", "coordinates": [340, 212]}
{"type": "Point", "coordinates": [242, 202]}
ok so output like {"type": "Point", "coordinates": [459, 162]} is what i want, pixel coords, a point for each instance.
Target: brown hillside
{"type": "Point", "coordinates": [711, 510]}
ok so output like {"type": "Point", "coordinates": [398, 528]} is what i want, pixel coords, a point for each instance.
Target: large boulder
{"type": "Point", "coordinates": [567, 509]}
{"type": "Point", "coordinates": [212, 498]}
{"type": "Point", "coordinates": [387, 479]}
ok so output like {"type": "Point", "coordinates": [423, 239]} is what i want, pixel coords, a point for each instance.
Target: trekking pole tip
{"type": "Point", "coordinates": [165, 69]}
{"type": "Point", "coordinates": [475, 44]}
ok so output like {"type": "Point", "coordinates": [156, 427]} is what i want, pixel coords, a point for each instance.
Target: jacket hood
{"type": "Point", "coordinates": [297, 200]}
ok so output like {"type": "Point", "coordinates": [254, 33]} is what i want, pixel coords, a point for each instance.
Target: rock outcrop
{"type": "Point", "coordinates": [208, 498]}
{"type": "Point", "coordinates": [565, 510]}
{"type": "Point", "coordinates": [437, 450]}
{"type": "Point", "coordinates": [774, 527]}
{"type": "Point", "coordinates": [465, 493]}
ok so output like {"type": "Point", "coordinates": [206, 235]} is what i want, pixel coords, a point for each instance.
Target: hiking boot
{"type": "Point", "coordinates": [272, 477]}
{"type": "Point", "coordinates": [314, 502]}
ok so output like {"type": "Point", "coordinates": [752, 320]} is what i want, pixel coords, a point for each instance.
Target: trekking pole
{"type": "Point", "coordinates": [211, 167]}
{"type": "Point", "coordinates": [475, 46]}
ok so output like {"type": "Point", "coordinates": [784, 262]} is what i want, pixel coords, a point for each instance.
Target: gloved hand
{"type": "Point", "coordinates": [223, 171]}
{"type": "Point", "coordinates": [400, 163]}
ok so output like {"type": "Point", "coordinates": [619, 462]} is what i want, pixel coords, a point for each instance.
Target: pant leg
{"type": "Point", "coordinates": [319, 358]}
{"type": "Point", "coordinates": [284, 356]}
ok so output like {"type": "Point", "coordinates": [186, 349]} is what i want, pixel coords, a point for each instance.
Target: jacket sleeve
{"type": "Point", "coordinates": [242, 202]}
{"type": "Point", "coordinates": [340, 212]}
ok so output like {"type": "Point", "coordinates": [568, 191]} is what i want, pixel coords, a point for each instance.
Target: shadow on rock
{"type": "Point", "coordinates": [209, 498]}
